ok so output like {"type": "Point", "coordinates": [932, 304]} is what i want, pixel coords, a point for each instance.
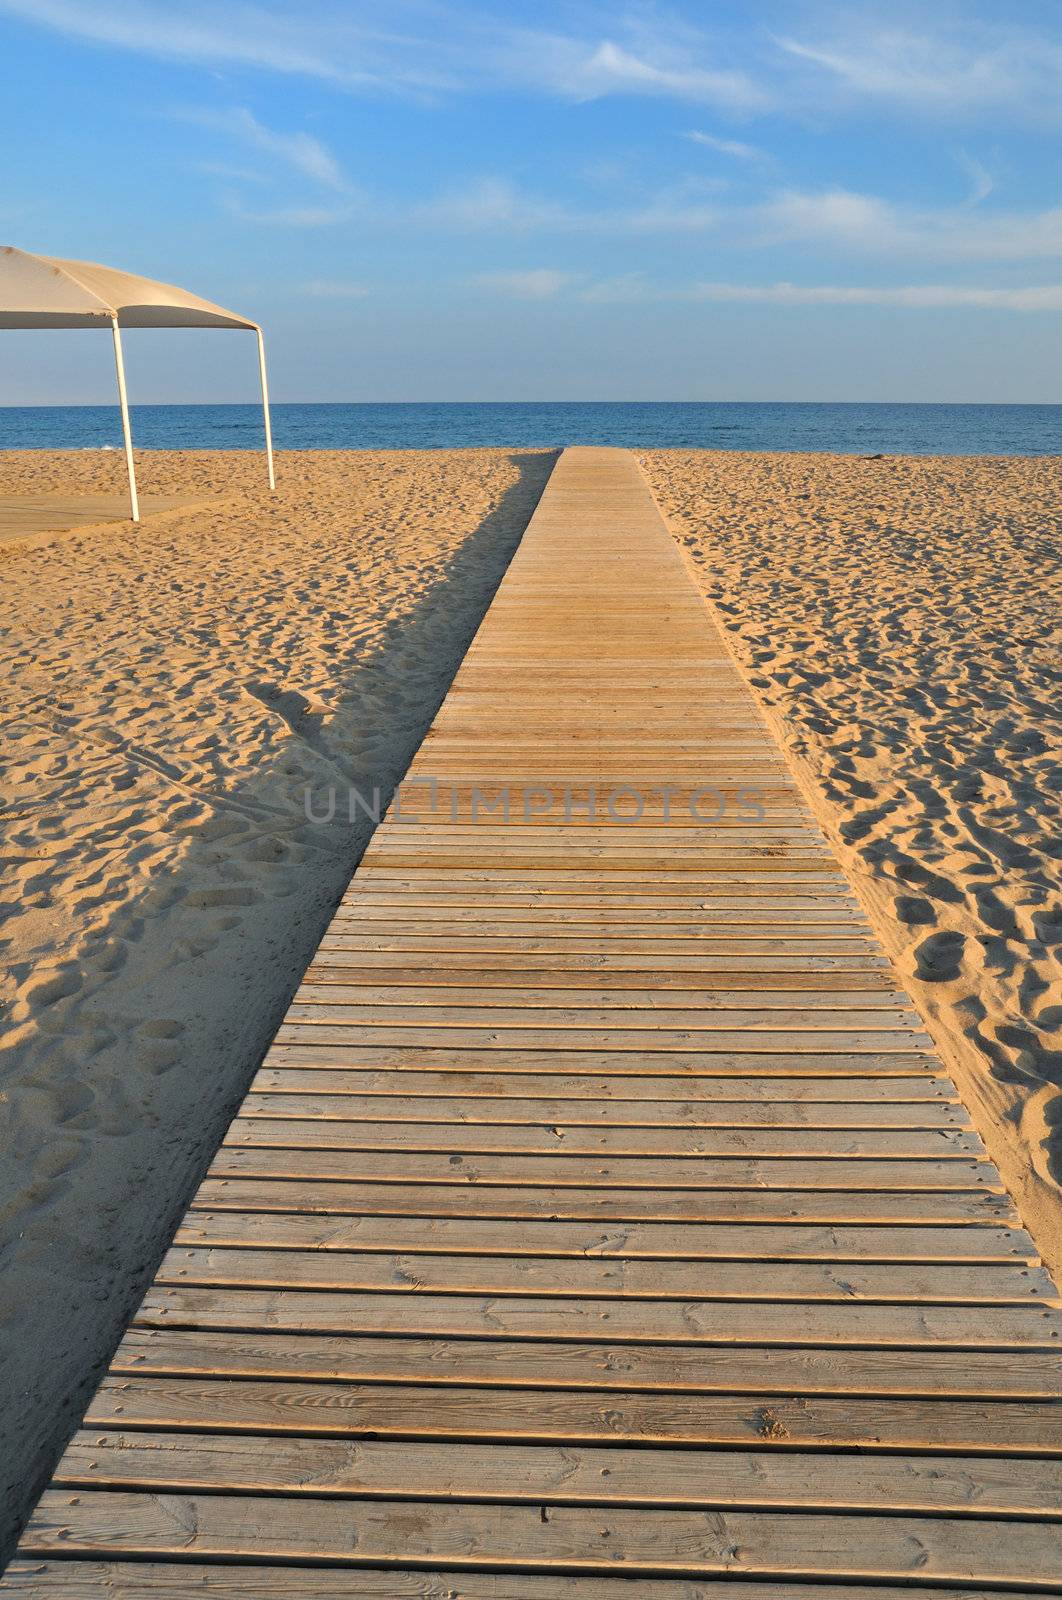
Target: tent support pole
{"type": "Point", "coordinates": [127, 434]}
{"type": "Point", "coordinates": [265, 408]}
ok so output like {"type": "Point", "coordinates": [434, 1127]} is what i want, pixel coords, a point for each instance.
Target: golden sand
{"type": "Point", "coordinates": [900, 620]}
{"type": "Point", "coordinates": [169, 692]}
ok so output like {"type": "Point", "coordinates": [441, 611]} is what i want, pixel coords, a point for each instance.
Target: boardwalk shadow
{"type": "Point", "coordinates": [118, 1099]}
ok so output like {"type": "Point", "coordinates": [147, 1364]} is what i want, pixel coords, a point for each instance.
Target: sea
{"type": "Point", "coordinates": [856, 429]}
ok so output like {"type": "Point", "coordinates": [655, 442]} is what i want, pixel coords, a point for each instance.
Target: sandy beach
{"type": "Point", "coordinates": [899, 618]}
{"type": "Point", "coordinates": [169, 694]}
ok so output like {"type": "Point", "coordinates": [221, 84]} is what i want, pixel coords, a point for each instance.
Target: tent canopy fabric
{"type": "Point", "coordinates": [46, 292]}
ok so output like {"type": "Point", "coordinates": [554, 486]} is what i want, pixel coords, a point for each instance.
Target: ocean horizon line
{"type": "Point", "coordinates": [228, 405]}
{"type": "Point", "coordinates": [849, 427]}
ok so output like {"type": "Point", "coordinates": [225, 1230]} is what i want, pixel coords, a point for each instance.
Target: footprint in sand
{"type": "Point", "coordinates": [913, 910]}
{"type": "Point", "coordinates": [938, 959]}
{"type": "Point", "coordinates": [157, 1049]}
{"type": "Point", "coordinates": [108, 956]}
{"type": "Point", "coordinates": [1047, 925]}
{"type": "Point", "coordinates": [235, 895]}
{"type": "Point", "coordinates": [44, 989]}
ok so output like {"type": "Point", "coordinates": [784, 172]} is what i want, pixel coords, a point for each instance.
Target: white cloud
{"type": "Point", "coordinates": [870, 225]}
{"type": "Point", "coordinates": [945, 63]}
{"type": "Point", "coordinates": [492, 203]}
{"type": "Point", "coordinates": [956, 66]}
{"type": "Point", "coordinates": [982, 183]}
{"type": "Point", "coordinates": [725, 147]}
{"type": "Point", "coordinates": [496, 205]}
{"type": "Point", "coordinates": [583, 70]}
{"type": "Point", "coordinates": [924, 296]}
{"type": "Point", "coordinates": [546, 283]}
{"type": "Point", "coordinates": [837, 220]}
{"type": "Point", "coordinates": [669, 214]}
{"type": "Point", "coordinates": [300, 151]}
{"type": "Point", "coordinates": [414, 47]}
{"type": "Point", "coordinates": [250, 36]}
{"type": "Point", "coordinates": [533, 283]}
{"type": "Point", "coordinates": [623, 290]}
{"type": "Point", "coordinates": [538, 283]}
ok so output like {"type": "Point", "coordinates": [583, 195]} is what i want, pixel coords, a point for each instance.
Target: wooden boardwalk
{"type": "Point", "coordinates": [601, 1223]}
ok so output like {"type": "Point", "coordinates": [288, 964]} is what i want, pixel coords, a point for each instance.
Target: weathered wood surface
{"type": "Point", "coordinates": [602, 1221]}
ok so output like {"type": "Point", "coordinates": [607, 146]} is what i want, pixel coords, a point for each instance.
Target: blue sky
{"type": "Point", "coordinates": [446, 201]}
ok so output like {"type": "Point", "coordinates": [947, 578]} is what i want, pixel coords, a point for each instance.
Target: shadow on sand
{"type": "Point", "coordinates": [143, 1067]}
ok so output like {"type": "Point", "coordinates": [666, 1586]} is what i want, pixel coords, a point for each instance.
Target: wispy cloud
{"type": "Point", "coordinates": [949, 61]}
{"type": "Point", "coordinates": [492, 203]}
{"type": "Point", "coordinates": [950, 65]}
{"type": "Point", "coordinates": [725, 147]}
{"type": "Point", "coordinates": [419, 48]}
{"type": "Point", "coordinates": [923, 296]}
{"type": "Point", "coordinates": [299, 151]}
{"type": "Point", "coordinates": [982, 182]}
{"type": "Point", "coordinates": [294, 216]}
{"type": "Point", "coordinates": [625, 289]}
{"type": "Point", "coordinates": [540, 283]}
{"type": "Point", "coordinates": [833, 219]}
{"type": "Point", "coordinates": [869, 224]}
{"type": "Point", "coordinates": [548, 283]}
{"type": "Point", "coordinates": [275, 39]}
{"type": "Point", "coordinates": [532, 283]}
{"type": "Point", "coordinates": [588, 70]}
{"type": "Point", "coordinates": [838, 220]}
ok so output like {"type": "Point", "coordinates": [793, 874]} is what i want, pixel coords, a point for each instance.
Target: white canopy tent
{"type": "Point", "coordinates": [45, 292]}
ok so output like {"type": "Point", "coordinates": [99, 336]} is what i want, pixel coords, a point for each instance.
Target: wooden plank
{"type": "Point", "coordinates": [654, 946]}
{"type": "Point", "coordinates": [1031, 1428]}
{"type": "Point", "coordinates": [498, 1035]}
{"type": "Point", "coordinates": [274, 1096]}
{"type": "Point", "coordinates": [902, 1174]}
{"type": "Point", "coordinates": [813, 988]}
{"type": "Point", "coordinates": [173, 1463]}
{"type": "Point", "coordinates": [323, 1003]}
{"type": "Point", "coordinates": [566, 1538]}
{"type": "Point", "coordinates": [151, 1580]}
{"type": "Point", "coordinates": [417, 1272]}
{"type": "Point", "coordinates": [924, 1373]}
{"type": "Point", "coordinates": [681, 1322]}
{"type": "Point", "coordinates": [341, 1197]}
{"type": "Point", "coordinates": [731, 872]}
{"type": "Point", "coordinates": [578, 837]}
{"type": "Point", "coordinates": [804, 912]}
{"type": "Point", "coordinates": [287, 1070]}
{"type": "Point", "coordinates": [336, 1132]}
{"type": "Point", "coordinates": [688, 1241]}
{"type": "Point", "coordinates": [777, 969]}
{"type": "Point", "coordinates": [325, 983]}
{"type": "Point", "coordinates": [826, 1062]}
{"type": "Point", "coordinates": [753, 891]}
